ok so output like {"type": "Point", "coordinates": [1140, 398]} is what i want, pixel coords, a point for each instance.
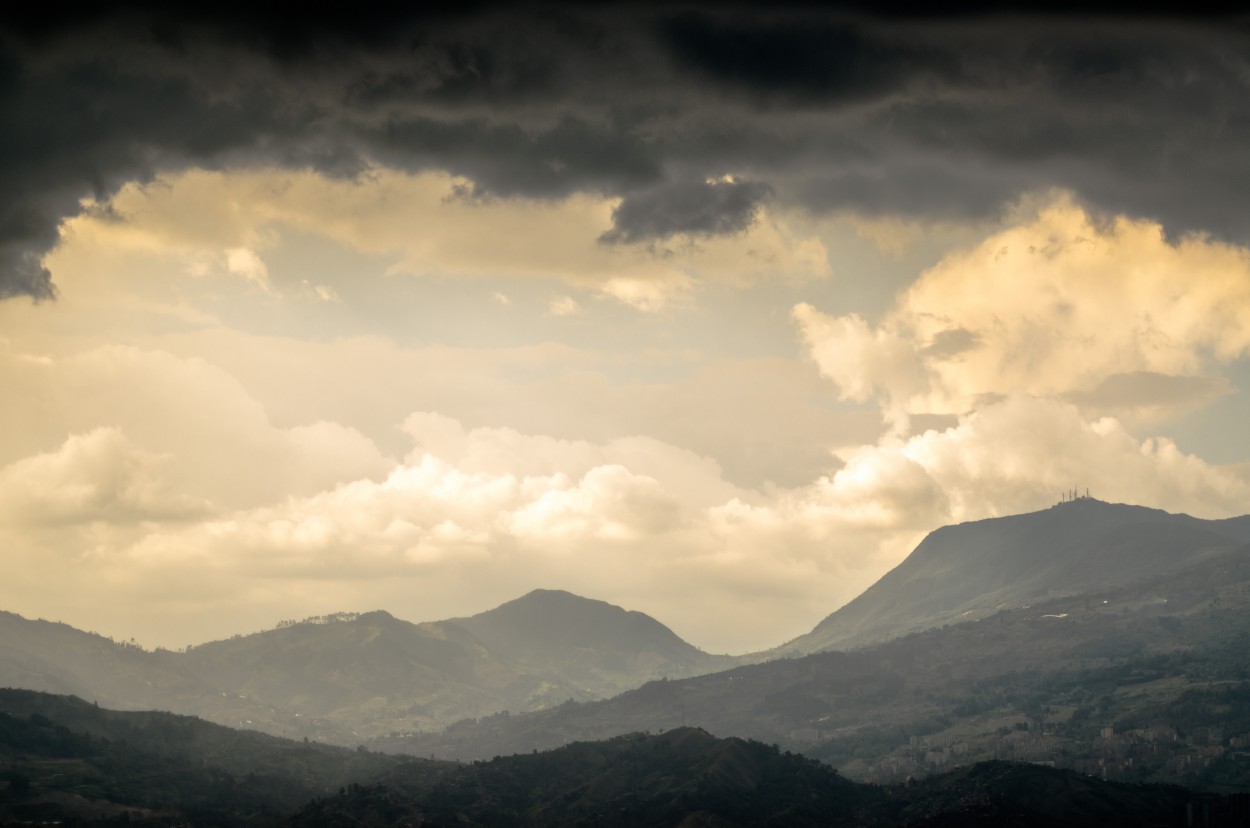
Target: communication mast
{"type": "Point", "coordinates": [1074, 494]}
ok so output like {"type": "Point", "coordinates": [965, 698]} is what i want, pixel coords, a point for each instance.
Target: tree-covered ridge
{"type": "Point", "coordinates": [685, 777]}
{"type": "Point", "coordinates": [67, 759]}
{"type": "Point", "coordinates": [329, 618]}
{"type": "Point", "coordinates": [636, 779]}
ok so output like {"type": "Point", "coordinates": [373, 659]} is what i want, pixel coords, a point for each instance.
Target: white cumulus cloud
{"type": "Point", "coordinates": [96, 476]}
{"type": "Point", "coordinates": [1060, 305]}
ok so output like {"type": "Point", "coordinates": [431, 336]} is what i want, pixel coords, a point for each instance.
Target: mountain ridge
{"type": "Point", "coordinates": [1048, 682]}
{"type": "Point", "coordinates": [967, 570]}
{"type": "Point", "coordinates": [65, 761]}
{"type": "Point", "coordinates": [352, 678]}
{"type": "Point", "coordinates": [346, 677]}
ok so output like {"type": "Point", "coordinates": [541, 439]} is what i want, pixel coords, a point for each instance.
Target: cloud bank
{"type": "Point", "coordinates": [828, 111]}
{"type": "Point", "coordinates": [635, 520]}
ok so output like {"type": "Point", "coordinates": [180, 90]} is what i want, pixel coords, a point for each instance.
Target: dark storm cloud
{"type": "Point", "coordinates": [510, 160]}
{"type": "Point", "coordinates": [802, 59]}
{"type": "Point", "coordinates": [948, 117]}
{"type": "Point", "coordinates": [695, 208]}
{"type": "Point", "coordinates": [79, 126]}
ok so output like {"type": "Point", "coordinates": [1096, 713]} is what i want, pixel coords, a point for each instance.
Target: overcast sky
{"type": "Point", "coordinates": [708, 313]}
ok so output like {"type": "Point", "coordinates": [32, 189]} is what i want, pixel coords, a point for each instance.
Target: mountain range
{"type": "Point", "coordinates": [1140, 630]}
{"type": "Point", "coordinates": [1031, 636]}
{"type": "Point", "coordinates": [348, 677]}
{"type": "Point", "coordinates": [1045, 681]}
{"type": "Point", "coordinates": [970, 570]}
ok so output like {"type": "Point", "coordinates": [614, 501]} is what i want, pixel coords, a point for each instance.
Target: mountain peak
{"type": "Point", "coordinates": [557, 627]}
{"type": "Point", "coordinates": [970, 570]}
{"type": "Point", "coordinates": [552, 596]}
{"type": "Point", "coordinates": [556, 616]}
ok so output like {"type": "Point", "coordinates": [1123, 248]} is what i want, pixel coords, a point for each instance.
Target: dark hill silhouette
{"type": "Point", "coordinates": [1024, 796]}
{"type": "Point", "coordinates": [63, 761]}
{"type": "Point", "coordinates": [66, 761]}
{"type": "Point", "coordinates": [971, 570]}
{"type": "Point", "coordinates": [681, 777]}
{"type": "Point", "coordinates": [686, 777]}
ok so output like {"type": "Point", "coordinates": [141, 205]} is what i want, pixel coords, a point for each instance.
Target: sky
{"type": "Point", "coordinates": [707, 311]}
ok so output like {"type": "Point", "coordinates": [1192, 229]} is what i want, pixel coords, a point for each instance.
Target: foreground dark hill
{"type": "Point", "coordinates": [1147, 682]}
{"type": "Point", "coordinates": [1020, 795]}
{"type": "Point", "coordinates": [64, 761]}
{"type": "Point", "coordinates": [973, 569]}
{"type": "Point", "coordinates": [686, 777]}
{"type": "Point", "coordinates": [348, 677]}
{"type": "Point", "coordinates": [682, 777]}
